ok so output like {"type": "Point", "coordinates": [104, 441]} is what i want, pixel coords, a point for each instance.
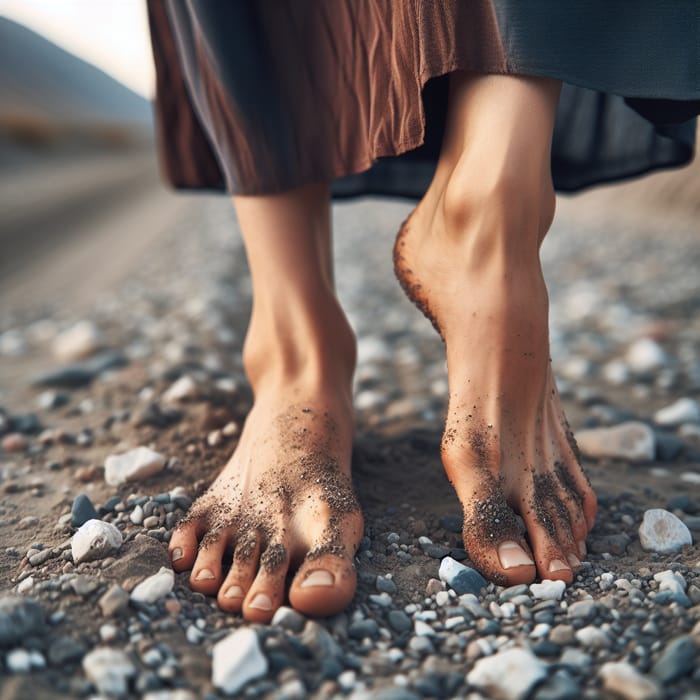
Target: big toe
{"type": "Point", "coordinates": [323, 585]}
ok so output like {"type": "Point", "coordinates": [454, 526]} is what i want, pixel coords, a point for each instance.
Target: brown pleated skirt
{"type": "Point", "coordinates": [261, 97]}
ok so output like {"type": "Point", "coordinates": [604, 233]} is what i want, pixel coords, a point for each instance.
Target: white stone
{"type": "Point", "coordinates": [616, 372]}
{"type": "Point", "coordinates": [18, 661]}
{"type": "Point", "coordinates": [632, 441]}
{"type": "Point", "coordinates": [507, 675]}
{"type": "Point", "coordinates": [423, 629]}
{"type": "Point", "coordinates": [77, 342]}
{"type": "Point", "coordinates": [670, 581]}
{"type": "Point", "coordinates": [133, 465]}
{"type": "Point", "coordinates": [237, 659]}
{"type": "Point", "coordinates": [25, 585]}
{"type": "Point", "coordinates": [548, 590]}
{"type": "Point", "coordinates": [154, 587]}
{"type": "Point", "coordinates": [691, 477]}
{"type": "Point", "coordinates": [684, 410]}
{"type": "Point", "coordinates": [109, 670]}
{"type": "Point", "coordinates": [442, 598]}
{"type": "Point", "coordinates": [108, 632]}
{"type": "Point", "coordinates": [183, 389]}
{"type": "Point", "coordinates": [624, 681]}
{"type": "Point", "coordinates": [663, 532]}
{"type": "Point", "coordinates": [645, 355]}
{"type": "Point", "coordinates": [95, 540]}
{"type": "Point", "coordinates": [136, 516]}
{"type": "Point", "coordinates": [592, 637]}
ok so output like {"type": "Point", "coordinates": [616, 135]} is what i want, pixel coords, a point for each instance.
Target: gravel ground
{"type": "Point", "coordinates": [79, 388]}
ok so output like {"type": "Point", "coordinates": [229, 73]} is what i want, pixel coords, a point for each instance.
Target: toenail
{"type": "Point", "coordinates": [177, 553]}
{"type": "Point", "coordinates": [574, 561]}
{"type": "Point", "coordinates": [558, 565]}
{"type": "Point", "coordinates": [582, 548]}
{"type": "Point", "coordinates": [204, 575]}
{"type": "Point", "coordinates": [261, 601]}
{"type": "Point", "coordinates": [512, 554]}
{"type": "Point", "coordinates": [319, 577]}
{"type": "Point", "coordinates": [234, 592]}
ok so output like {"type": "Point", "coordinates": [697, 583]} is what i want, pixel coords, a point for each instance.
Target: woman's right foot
{"type": "Point", "coordinates": [285, 500]}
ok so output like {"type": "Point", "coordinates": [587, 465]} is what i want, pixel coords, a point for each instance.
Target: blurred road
{"type": "Point", "coordinates": [73, 228]}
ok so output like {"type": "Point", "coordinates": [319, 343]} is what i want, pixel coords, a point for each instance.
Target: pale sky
{"type": "Point", "coordinates": [111, 34]}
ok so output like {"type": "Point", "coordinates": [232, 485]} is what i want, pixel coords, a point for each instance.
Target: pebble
{"type": "Point", "coordinates": [399, 621]}
{"type": "Point", "coordinates": [460, 578]}
{"type": "Point", "coordinates": [14, 442]}
{"type": "Point", "coordinates": [133, 465]}
{"type": "Point", "coordinates": [359, 629]}
{"type": "Point", "coordinates": [385, 585]}
{"type": "Point", "coordinates": [676, 660]}
{"type": "Point", "coordinates": [154, 587]}
{"type": "Point", "coordinates": [583, 610]}
{"type": "Point", "coordinates": [592, 637]}
{"type": "Point", "coordinates": [548, 590]}
{"type": "Point", "coordinates": [109, 670]}
{"type": "Point", "coordinates": [684, 410]}
{"type": "Point", "coordinates": [237, 659]}
{"type": "Point", "coordinates": [633, 441]}
{"type": "Point", "coordinates": [183, 389]}
{"type": "Point", "coordinates": [663, 532]}
{"type": "Point", "coordinates": [289, 619]}
{"type": "Point", "coordinates": [95, 540]}
{"type": "Point", "coordinates": [507, 675]}
{"type": "Point", "coordinates": [20, 618]}
{"type": "Point", "coordinates": [645, 355]}
{"type": "Point", "coordinates": [82, 510]}
{"type": "Point", "coordinates": [77, 342]}
{"type": "Point", "coordinates": [65, 650]}
{"type": "Point", "coordinates": [136, 515]}
{"type": "Point", "coordinates": [18, 661]}
{"type": "Point", "coordinates": [114, 601]}
{"type": "Point", "coordinates": [625, 681]}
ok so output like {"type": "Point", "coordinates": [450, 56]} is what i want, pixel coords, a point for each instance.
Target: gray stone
{"type": "Point", "coordinates": [452, 523]}
{"type": "Point", "coordinates": [385, 585]}
{"type": "Point", "coordinates": [65, 650]}
{"type": "Point", "coordinates": [319, 642]}
{"type": "Point", "coordinates": [625, 681]}
{"type": "Point", "coordinates": [561, 686]}
{"type": "Point", "coordinates": [393, 693]}
{"type": "Point", "coordinates": [507, 675]}
{"type": "Point", "coordinates": [583, 610]}
{"type": "Point", "coordinates": [20, 618]}
{"type": "Point", "coordinates": [399, 621]}
{"type": "Point", "coordinates": [663, 532]}
{"type": "Point", "coordinates": [359, 629]}
{"type": "Point", "coordinates": [289, 618]}
{"type": "Point", "coordinates": [114, 601]}
{"type": "Point", "coordinates": [84, 585]}
{"type": "Point", "coordinates": [460, 578]}
{"type": "Point", "coordinates": [676, 660]}
{"type": "Point", "coordinates": [109, 670]}
{"type": "Point", "coordinates": [236, 660]}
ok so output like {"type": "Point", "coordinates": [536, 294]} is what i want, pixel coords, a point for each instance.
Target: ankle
{"type": "Point", "coordinates": [310, 347]}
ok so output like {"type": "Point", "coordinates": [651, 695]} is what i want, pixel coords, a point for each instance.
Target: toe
{"type": "Point", "coordinates": [266, 593]}
{"type": "Point", "coordinates": [246, 560]}
{"type": "Point", "coordinates": [324, 585]}
{"type": "Point", "coordinates": [550, 556]}
{"type": "Point", "coordinates": [183, 545]}
{"type": "Point", "coordinates": [206, 572]}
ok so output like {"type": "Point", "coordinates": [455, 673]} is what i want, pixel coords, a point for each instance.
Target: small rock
{"type": "Point", "coordinates": [77, 342]}
{"type": "Point", "coordinates": [289, 619]}
{"type": "Point", "coordinates": [632, 441]}
{"type": "Point", "coordinates": [645, 355]}
{"type": "Point", "coordinates": [359, 629]}
{"type": "Point", "coordinates": [460, 578]}
{"type": "Point", "coordinates": [452, 523]}
{"type": "Point", "coordinates": [18, 661]}
{"type": "Point", "coordinates": [184, 389]}
{"type": "Point", "coordinates": [676, 660]}
{"type": "Point", "coordinates": [434, 586]}
{"type": "Point", "coordinates": [154, 587]}
{"type": "Point", "coordinates": [583, 610]}
{"type": "Point", "coordinates": [20, 618]}
{"type": "Point", "coordinates": [82, 510]}
{"type": "Point", "coordinates": [95, 540]}
{"type": "Point", "coordinates": [592, 637]}
{"type": "Point", "coordinates": [623, 680]}
{"type": "Point", "coordinates": [65, 650]}
{"type": "Point", "coordinates": [237, 659]}
{"type": "Point", "coordinates": [548, 590]}
{"type": "Point", "coordinates": [14, 442]}
{"type": "Point", "coordinates": [109, 670]}
{"type": "Point", "coordinates": [84, 585]}
{"type": "Point", "coordinates": [663, 532]}
{"type": "Point", "coordinates": [133, 465]}
{"type": "Point", "coordinates": [50, 399]}
{"type": "Point", "coordinates": [507, 675]}
{"type": "Point", "coordinates": [385, 585]}
{"type": "Point", "coordinates": [215, 438]}
{"type": "Point", "coordinates": [114, 601]}
{"type": "Point", "coordinates": [685, 410]}
{"type": "Point", "coordinates": [399, 621]}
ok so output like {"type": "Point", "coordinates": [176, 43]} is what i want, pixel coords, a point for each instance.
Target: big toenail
{"type": "Point", "coordinates": [512, 554]}
{"type": "Point", "coordinates": [177, 553]}
{"type": "Point", "coordinates": [234, 592]}
{"type": "Point", "coordinates": [558, 565]}
{"type": "Point", "coordinates": [574, 561]}
{"type": "Point", "coordinates": [582, 548]}
{"type": "Point", "coordinates": [261, 602]}
{"type": "Point", "coordinates": [204, 575]}
{"type": "Point", "coordinates": [319, 577]}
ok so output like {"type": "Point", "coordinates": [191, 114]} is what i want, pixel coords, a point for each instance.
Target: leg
{"type": "Point", "coordinates": [469, 257]}
{"type": "Point", "coordinates": [285, 498]}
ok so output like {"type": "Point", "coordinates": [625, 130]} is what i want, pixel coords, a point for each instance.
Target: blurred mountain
{"type": "Point", "coordinates": [48, 95]}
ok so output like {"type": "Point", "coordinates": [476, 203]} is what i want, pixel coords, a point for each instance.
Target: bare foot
{"type": "Point", "coordinates": [285, 500]}
{"type": "Point", "coordinates": [472, 266]}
